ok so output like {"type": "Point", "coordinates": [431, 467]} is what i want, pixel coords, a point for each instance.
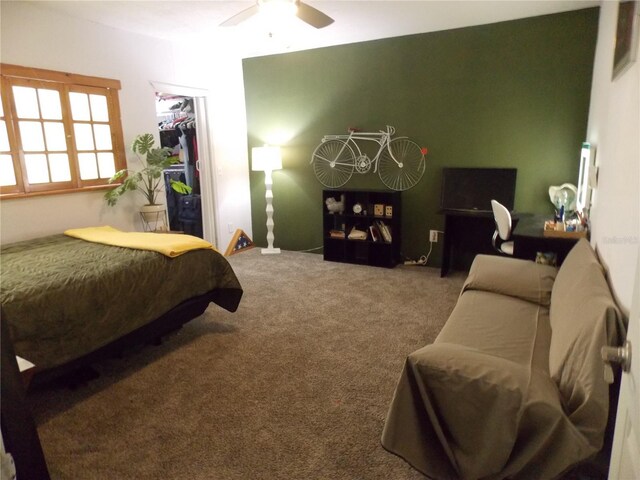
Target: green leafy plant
{"type": "Point", "coordinates": [149, 180]}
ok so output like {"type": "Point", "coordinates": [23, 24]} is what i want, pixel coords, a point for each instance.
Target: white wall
{"type": "Point", "coordinates": [36, 37]}
{"type": "Point", "coordinates": [614, 129]}
{"type": "Point", "coordinates": [220, 72]}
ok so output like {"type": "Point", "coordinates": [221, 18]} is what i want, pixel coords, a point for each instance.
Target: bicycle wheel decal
{"type": "Point", "coordinates": [333, 163]}
{"type": "Point", "coordinates": [401, 164]}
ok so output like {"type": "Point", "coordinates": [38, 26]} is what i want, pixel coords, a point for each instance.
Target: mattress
{"type": "Point", "coordinates": [63, 297]}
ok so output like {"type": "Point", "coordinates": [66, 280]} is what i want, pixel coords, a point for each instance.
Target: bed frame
{"type": "Point", "coordinates": [149, 333]}
{"type": "Point", "coordinates": [19, 432]}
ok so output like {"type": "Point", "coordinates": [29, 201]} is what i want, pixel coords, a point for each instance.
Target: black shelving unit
{"type": "Point", "coordinates": [380, 210]}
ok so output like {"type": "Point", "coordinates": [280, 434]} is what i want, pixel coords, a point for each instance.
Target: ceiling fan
{"type": "Point", "coordinates": [304, 12]}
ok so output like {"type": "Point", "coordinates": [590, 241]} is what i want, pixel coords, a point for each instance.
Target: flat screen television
{"type": "Point", "coordinates": [465, 189]}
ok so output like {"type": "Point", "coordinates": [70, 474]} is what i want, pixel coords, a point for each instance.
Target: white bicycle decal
{"type": "Point", "coordinates": [399, 161]}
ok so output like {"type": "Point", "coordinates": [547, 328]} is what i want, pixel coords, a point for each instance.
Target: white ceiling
{"type": "Point", "coordinates": [355, 20]}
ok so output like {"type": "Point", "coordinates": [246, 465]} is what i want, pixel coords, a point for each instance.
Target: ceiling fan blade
{"type": "Point", "coordinates": [241, 17]}
{"type": "Point", "coordinates": [313, 16]}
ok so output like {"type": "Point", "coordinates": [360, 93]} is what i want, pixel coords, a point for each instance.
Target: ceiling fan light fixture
{"type": "Point", "coordinates": [278, 9]}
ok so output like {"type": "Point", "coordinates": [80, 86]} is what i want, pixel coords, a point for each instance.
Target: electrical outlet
{"type": "Point", "coordinates": [230, 227]}
{"type": "Point", "coordinates": [433, 236]}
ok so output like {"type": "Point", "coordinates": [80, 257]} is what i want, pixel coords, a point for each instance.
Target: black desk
{"type": "Point", "coordinates": [528, 239]}
{"type": "Point", "coordinates": [466, 233]}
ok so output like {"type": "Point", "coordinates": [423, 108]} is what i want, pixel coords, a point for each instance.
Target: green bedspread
{"type": "Point", "coordinates": [63, 297]}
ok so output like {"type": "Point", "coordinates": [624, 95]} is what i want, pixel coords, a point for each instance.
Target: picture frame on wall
{"type": "Point", "coordinates": [626, 48]}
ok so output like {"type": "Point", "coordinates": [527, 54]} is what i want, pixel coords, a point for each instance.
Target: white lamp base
{"type": "Point", "coordinates": [270, 251]}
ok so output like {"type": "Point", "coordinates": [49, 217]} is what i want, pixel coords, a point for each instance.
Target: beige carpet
{"type": "Point", "coordinates": [294, 385]}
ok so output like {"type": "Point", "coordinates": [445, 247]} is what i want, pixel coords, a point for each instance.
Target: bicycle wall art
{"type": "Point", "coordinates": [399, 162]}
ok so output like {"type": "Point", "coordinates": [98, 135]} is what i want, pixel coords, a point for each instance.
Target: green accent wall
{"type": "Point", "coordinates": [509, 94]}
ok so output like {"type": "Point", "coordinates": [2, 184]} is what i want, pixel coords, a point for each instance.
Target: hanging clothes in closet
{"type": "Point", "coordinates": [178, 132]}
{"type": "Point", "coordinates": [188, 146]}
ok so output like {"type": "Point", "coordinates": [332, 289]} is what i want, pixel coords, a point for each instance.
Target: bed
{"type": "Point", "coordinates": [68, 302]}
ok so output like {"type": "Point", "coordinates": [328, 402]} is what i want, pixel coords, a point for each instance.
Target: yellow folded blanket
{"type": "Point", "coordinates": [169, 244]}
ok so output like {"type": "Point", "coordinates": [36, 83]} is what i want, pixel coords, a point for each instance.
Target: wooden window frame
{"type": "Point", "coordinates": [64, 83]}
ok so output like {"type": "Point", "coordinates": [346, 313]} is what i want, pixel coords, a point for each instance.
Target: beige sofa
{"type": "Point", "coordinates": [513, 386]}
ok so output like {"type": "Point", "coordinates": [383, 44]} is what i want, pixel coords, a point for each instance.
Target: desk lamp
{"type": "Point", "coordinates": [266, 159]}
{"type": "Point", "coordinates": [563, 198]}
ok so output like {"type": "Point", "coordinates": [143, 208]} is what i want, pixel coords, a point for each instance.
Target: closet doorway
{"type": "Point", "coordinates": [182, 124]}
{"type": "Point", "coordinates": [177, 124]}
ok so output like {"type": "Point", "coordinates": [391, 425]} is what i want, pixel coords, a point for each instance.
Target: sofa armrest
{"type": "Point", "coordinates": [513, 277]}
{"type": "Point", "coordinates": [584, 317]}
{"type": "Point", "coordinates": [476, 403]}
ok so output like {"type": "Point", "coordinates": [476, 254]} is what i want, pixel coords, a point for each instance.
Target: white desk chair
{"type": "Point", "coordinates": [502, 217]}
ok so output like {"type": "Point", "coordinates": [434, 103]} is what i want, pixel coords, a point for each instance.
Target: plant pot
{"type": "Point", "coordinates": [154, 218]}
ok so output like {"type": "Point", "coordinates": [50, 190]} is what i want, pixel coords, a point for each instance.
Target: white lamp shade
{"type": "Point", "coordinates": [266, 158]}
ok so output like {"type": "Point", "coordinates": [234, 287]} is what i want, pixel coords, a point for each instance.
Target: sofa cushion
{"type": "Point", "coordinates": [583, 318]}
{"type": "Point", "coordinates": [510, 276]}
{"type": "Point", "coordinates": [499, 325]}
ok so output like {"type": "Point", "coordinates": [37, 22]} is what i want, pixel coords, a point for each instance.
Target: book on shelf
{"type": "Point", "coordinates": [385, 231]}
{"type": "Point", "coordinates": [336, 233]}
{"type": "Point", "coordinates": [374, 232]}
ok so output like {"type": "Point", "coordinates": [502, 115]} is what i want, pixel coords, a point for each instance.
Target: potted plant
{"type": "Point", "coordinates": [149, 180]}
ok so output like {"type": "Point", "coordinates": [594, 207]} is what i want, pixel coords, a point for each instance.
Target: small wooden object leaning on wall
{"type": "Point", "coordinates": [239, 243]}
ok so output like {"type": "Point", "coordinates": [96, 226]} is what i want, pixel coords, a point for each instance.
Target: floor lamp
{"type": "Point", "coordinates": [266, 159]}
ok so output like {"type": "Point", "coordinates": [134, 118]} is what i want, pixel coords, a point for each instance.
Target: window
{"type": "Point", "coordinates": [59, 132]}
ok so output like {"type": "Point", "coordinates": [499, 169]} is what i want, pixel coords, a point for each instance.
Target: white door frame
{"type": "Point", "coordinates": [206, 160]}
{"type": "Point", "coordinates": [625, 453]}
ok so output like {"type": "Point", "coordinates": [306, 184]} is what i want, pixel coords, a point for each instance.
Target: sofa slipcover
{"type": "Point", "coordinates": [513, 386]}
